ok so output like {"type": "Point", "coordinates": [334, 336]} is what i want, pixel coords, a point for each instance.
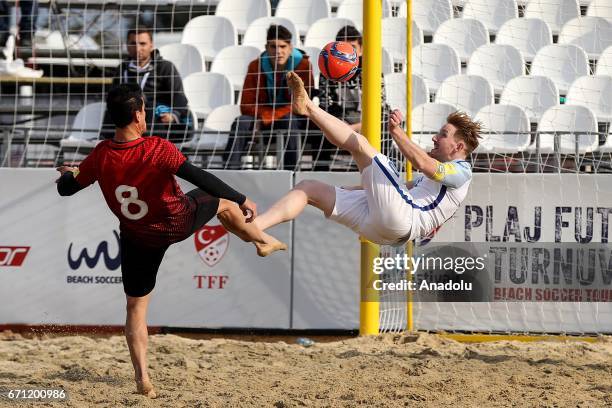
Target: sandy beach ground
{"type": "Point", "coordinates": [422, 370]}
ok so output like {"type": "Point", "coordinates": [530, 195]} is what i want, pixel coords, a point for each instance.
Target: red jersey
{"type": "Point", "coordinates": [138, 183]}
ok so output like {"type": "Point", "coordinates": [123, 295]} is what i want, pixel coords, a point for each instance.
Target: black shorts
{"type": "Point", "coordinates": [140, 263]}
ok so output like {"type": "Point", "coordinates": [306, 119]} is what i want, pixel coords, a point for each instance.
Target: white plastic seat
{"type": "Point", "coordinates": [434, 63]}
{"type": "Point", "coordinates": [533, 93]}
{"type": "Point", "coordinates": [206, 91]}
{"type": "Point", "coordinates": [555, 12]}
{"type": "Point", "coordinates": [505, 129]}
{"type": "Point", "coordinates": [209, 34]}
{"type": "Point", "coordinates": [469, 93]}
{"type": "Point", "coordinates": [303, 12]}
{"type": "Point", "coordinates": [600, 8]}
{"type": "Point", "coordinates": [243, 12]}
{"type": "Point", "coordinates": [463, 34]}
{"type": "Point", "coordinates": [528, 35]}
{"type": "Point", "coordinates": [428, 118]}
{"type": "Point", "coordinates": [313, 53]}
{"type": "Point", "coordinates": [497, 63]}
{"type": "Point", "coordinates": [604, 63]}
{"type": "Point", "coordinates": [388, 67]}
{"type": "Point", "coordinates": [395, 91]}
{"type": "Point", "coordinates": [86, 127]}
{"type": "Point", "coordinates": [428, 14]}
{"type": "Point", "coordinates": [568, 119]}
{"type": "Point", "coordinates": [562, 63]}
{"type": "Point", "coordinates": [493, 13]}
{"type": "Point", "coordinates": [256, 33]}
{"type": "Point", "coordinates": [324, 31]}
{"type": "Point", "coordinates": [185, 57]}
{"type": "Point", "coordinates": [394, 37]}
{"type": "Point", "coordinates": [234, 62]}
{"type": "Point", "coordinates": [353, 10]}
{"type": "Point", "coordinates": [594, 92]}
{"type": "Point", "coordinates": [216, 129]}
{"type": "Point", "coordinates": [592, 34]}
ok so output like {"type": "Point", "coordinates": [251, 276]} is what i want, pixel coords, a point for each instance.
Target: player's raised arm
{"type": "Point", "coordinates": [216, 187]}
{"type": "Point", "coordinates": [417, 156]}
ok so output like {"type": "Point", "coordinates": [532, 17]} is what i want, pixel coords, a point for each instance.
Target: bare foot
{"type": "Point", "coordinates": [268, 248]}
{"type": "Point", "coordinates": [146, 388]}
{"type": "Point", "coordinates": [300, 96]}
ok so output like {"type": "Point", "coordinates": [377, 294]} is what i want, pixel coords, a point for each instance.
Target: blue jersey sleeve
{"type": "Point", "coordinates": [453, 174]}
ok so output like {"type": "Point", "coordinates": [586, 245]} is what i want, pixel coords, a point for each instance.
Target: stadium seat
{"type": "Point", "coordinates": [493, 13]}
{"type": "Point", "coordinates": [533, 93]}
{"type": "Point", "coordinates": [561, 63]}
{"type": "Point", "coordinates": [428, 14]}
{"type": "Point", "coordinates": [568, 119]}
{"type": "Point", "coordinates": [353, 10]}
{"type": "Point", "coordinates": [604, 63]}
{"type": "Point", "coordinates": [526, 34]}
{"type": "Point", "coordinates": [394, 37]}
{"type": "Point", "coordinates": [594, 92]}
{"type": "Point", "coordinates": [469, 93]}
{"type": "Point", "coordinates": [395, 91]}
{"type": "Point", "coordinates": [434, 63]}
{"type": "Point", "coordinates": [388, 67]}
{"type": "Point", "coordinates": [323, 31]}
{"type": "Point", "coordinates": [600, 8]}
{"type": "Point", "coordinates": [303, 12]}
{"type": "Point", "coordinates": [592, 34]}
{"type": "Point", "coordinates": [185, 57]}
{"type": "Point", "coordinates": [505, 129]}
{"type": "Point", "coordinates": [215, 130]}
{"type": "Point", "coordinates": [427, 119]}
{"type": "Point", "coordinates": [234, 62]}
{"type": "Point", "coordinates": [243, 12]}
{"type": "Point", "coordinates": [257, 31]}
{"type": "Point", "coordinates": [463, 34]}
{"type": "Point", "coordinates": [86, 128]}
{"type": "Point", "coordinates": [313, 53]}
{"type": "Point", "coordinates": [497, 63]}
{"type": "Point", "coordinates": [206, 91]}
{"type": "Point", "coordinates": [555, 12]}
{"type": "Point", "coordinates": [209, 34]}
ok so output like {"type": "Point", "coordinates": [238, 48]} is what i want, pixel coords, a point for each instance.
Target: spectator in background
{"type": "Point", "coordinates": [26, 22]}
{"type": "Point", "coordinates": [166, 106]}
{"type": "Point", "coordinates": [343, 99]}
{"type": "Point", "coordinates": [266, 101]}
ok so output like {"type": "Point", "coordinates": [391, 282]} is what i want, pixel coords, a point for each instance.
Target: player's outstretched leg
{"type": "Point", "coordinates": [137, 339]}
{"type": "Point", "coordinates": [335, 130]}
{"type": "Point", "coordinates": [315, 193]}
{"type": "Point", "coordinates": [233, 220]}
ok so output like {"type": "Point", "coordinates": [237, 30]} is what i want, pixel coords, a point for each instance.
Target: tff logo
{"type": "Point", "coordinates": [211, 242]}
{"type": "Point", "coordinates": [13, 255]}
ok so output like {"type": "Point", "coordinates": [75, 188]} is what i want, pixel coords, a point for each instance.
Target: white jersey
{"type": "Point", "coordinates": [435, 201]}
{"type": "Point", "coordinates": [386, 212]}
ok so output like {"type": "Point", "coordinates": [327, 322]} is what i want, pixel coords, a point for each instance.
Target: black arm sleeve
{"type": "Point", "coordinates": [209, 183]}
{"type": "Point", "coordinates": [67, 184]}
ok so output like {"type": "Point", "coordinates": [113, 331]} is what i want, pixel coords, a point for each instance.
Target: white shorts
{"type": "Point", "coordinates": [379, 212]}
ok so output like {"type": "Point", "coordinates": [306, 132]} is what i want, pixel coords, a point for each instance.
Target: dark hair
{"type": "Point", "coordinates": [349, 33]}
{"type": "Point", "coordinates": [140, 29]}
{"type": "Point", "coordinates": [122, 102]}
{"type": "Point", "coordinates": [278, 32]}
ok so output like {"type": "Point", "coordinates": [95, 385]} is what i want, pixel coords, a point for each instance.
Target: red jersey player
{"type": "Point", "coordinates": [136, 176]}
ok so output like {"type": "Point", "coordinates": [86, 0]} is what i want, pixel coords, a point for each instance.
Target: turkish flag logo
{"type": "Point", "coordinates": [211, 242]}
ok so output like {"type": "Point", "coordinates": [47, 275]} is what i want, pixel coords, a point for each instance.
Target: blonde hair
{"type": "Point", "coordinates": [468, 130]}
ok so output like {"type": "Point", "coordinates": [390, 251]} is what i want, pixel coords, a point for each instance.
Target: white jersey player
{"type": "Point", "coordinates": [383, 209]}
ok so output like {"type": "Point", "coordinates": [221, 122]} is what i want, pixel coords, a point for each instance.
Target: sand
{"type": "Point", "coordinates": [422, 370]}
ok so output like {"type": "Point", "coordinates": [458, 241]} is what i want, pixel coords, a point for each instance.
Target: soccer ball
{"type": "Point", "coordinates": [338, 61]}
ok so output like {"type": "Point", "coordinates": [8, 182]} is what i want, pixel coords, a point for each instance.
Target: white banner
{"type": "Point", "coordinates": [59, 261]}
